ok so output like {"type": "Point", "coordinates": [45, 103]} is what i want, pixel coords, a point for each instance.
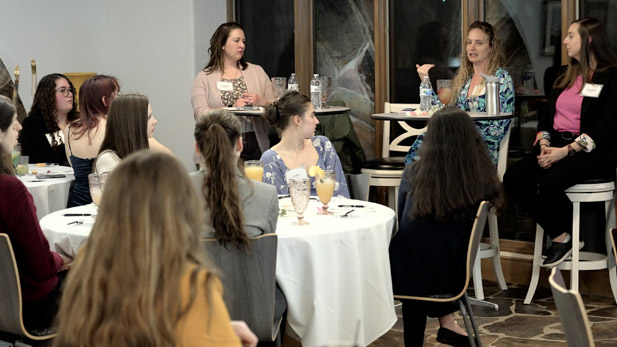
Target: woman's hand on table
{"type": "Point", "coordinates": [423, 70]}
{"type": "Point", "coordinates": [247, 337]}
{"type": "Point", "coordinates": [253, 99]}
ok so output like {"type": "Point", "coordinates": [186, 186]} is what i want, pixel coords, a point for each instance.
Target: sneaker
{"type": "Point", "coordinates": [558, 252]}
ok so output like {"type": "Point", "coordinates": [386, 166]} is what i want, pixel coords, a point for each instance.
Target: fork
{"type": "Point", "coordinates": [347, 213]}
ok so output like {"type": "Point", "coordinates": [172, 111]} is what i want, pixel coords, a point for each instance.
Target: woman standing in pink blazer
{"type": "Point", "coordinates": [229, 81]}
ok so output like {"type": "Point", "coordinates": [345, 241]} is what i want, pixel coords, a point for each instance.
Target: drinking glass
{"type": "Point", "coordinates": [22, 165]}
{"type": "Point", "coordinates": [325, 90]}
{"type": "Point", "coordinates": [300, 193]}
{"type": "Point", "coordinates": [280, 85]}
{"type": "Point", "coordinates": [97, 184]}
{"type": "Point", "coordinates": [15, 154]}
{"type": "Point", "coordinates": [325, 189]}
{"type": "Point", "coordinates": [444, 90]}
{"type": "Point", "coordinates": [254, 169]}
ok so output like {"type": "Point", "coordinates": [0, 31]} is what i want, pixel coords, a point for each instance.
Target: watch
{"type": "Point", "coordinates": [571, 151]}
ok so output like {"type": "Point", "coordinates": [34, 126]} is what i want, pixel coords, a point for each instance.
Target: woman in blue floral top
{"type": "Point", "coordinates": [482, 54]}
{"type": "Point", "coordinates": [299, 149]}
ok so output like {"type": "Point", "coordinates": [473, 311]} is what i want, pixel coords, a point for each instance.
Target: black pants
{"type": "Point", "coordinates": [541, 192]}
{"type": "Point", "coordinates": [250, 150]}
{"type": "Point", "coordinates": [41, 314]}
{"type": "Point", "coordinates": [414, 318]}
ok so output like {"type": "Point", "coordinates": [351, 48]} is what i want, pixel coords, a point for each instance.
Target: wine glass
{"type": "Point", "coordinates": [254, 169]}
{"type": "Point", "coordinates": [97, 184]}
{"type": "Point", "coordinates": [300, 193]}
{"type": "Point", "coordinates": [280, 85]}
{"type": "Point", "coordinates": [325, 189]}
{"type": "Point", "coordinates": [444, 90]}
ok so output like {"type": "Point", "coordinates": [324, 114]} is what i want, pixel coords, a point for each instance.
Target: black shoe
{"type": "Point", "coordinates": [449, 337]}
{"type": "Point", "coordinates": [558, 252]}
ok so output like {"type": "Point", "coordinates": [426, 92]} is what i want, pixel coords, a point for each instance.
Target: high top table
{"type": "Point", "coordinates": [335, 272]}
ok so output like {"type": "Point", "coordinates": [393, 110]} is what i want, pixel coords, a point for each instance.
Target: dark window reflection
{"type": "Point", "coordinates": [422, 32]}
{"type": "Point", "coordinates": [606, 12]}
{"type": "Point", "coordinates": [269, 29]}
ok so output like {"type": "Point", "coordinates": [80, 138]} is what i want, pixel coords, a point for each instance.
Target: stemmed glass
{"type": "Point", "coordinates": [97, 184]}
{"type": "Point", "coordinates": [325, 189]}
{"type": "Point", "coordinates": [279, 84]}
{"type": "Point", "coordinates": [300, 193]}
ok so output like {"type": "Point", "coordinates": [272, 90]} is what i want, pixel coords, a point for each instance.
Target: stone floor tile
{"type": "Point", "coordinates": [516, 342]}
{"type": "Point", "coordinates": [521, 326]}
{"type": "Point", "coordinates": [532, 308]}
{"type": "Point", "coordinates": [521, 292]}
{"type": "Point", "coordinates": [604, 330]}
{"type": "Point", "coordinates": [505, 308]}
{"type": "Point", "coordinates": [610, 312]}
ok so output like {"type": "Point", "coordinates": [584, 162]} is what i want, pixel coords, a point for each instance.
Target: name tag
{"type": "Point", "coordinates": [296, 173]}
{"type": "Point", "coordinates": [591, 90]}
{"type": "Point", "coordinates": [224, 86]}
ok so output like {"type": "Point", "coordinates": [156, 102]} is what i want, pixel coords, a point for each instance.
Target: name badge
{"type": "Point", "coordinates": [591, 90]}
{"type": "Point", "coordinates": [224, 86]}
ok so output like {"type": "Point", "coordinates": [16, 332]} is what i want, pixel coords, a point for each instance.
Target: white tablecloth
{"type": "Point", "coordinates": [335, 272]}
{"type": "Point", "coordinates": [50, 194]}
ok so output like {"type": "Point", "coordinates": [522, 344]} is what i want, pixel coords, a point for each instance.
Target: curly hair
{"type": "Point", "coordinates": [44, 105]}
{"type": "Point", "coordinates": [217, 41]}
{"type": "Point", "coordinates": [495, 60]}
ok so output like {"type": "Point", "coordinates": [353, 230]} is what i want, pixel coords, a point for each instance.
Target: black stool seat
{"type": "Point", "coordinates": [390, 163]}
{"type": "Point", "coordinates": [598, 180]}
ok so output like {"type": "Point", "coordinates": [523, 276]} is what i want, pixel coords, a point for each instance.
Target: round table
{"type": "Point", "coordinates": [258, 111]}
{"type": "Point", "coordinates": [473, 115]}
{"type": "Point", "coordinates": [49, 194]}
{"type": "Point", "coordinates": [335, 272]}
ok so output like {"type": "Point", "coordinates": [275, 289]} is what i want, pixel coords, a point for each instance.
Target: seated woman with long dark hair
{"type": "Point", "coordinates": [141, 279]}
{"type": "Point", "coordinates": [38, 266]}
{"type": "Point", "coordinates": [438, 199]}
{"type": "Point", "coordinates": [129, 125]}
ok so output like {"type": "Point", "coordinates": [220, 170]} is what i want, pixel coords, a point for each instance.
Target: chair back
{"type": "Point", "coordinates": [502, 159]}
{"type": "Point", "coordinates": [395, 144]}
{"type": "Point", "coordinates": [11, 319]}
{"type": "Point", "coordinates": [249, 282]}
{"type": "Point", "coordinates": [572, 313]}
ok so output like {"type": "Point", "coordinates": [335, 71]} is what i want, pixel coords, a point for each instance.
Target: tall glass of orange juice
{"type": "Point", "coordinates": [325, 189]}
{"type": "Point", "coordinates": [254, 169]}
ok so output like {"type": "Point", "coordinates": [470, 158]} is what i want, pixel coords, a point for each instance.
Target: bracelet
{"type": "Point", "coordinates": [544, 144]}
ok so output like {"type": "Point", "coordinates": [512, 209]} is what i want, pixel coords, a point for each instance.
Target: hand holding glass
{"type": "Point", "coordinates": [300, 193]}
{"type": "Point", "coordinates": [325, 189]}
{"type": "Point", "coordinates": [254, 169]}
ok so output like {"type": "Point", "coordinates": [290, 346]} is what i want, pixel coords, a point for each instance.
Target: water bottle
{"type": "Point", "coordinates": [316, 92]}
{"type": "Point", "coordinates": [292, 83]}
{"type": "Point", "coordinates": [426, 94]}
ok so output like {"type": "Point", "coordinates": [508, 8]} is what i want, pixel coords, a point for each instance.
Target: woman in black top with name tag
{"type": "Point", "coordinates": [576, 140]}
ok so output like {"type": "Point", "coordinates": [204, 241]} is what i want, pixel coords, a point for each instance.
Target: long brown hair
{"type": "Point", "coordinates": [44, 104]}
{"type": "Point", "coordinates": [455, 172]}
{"type": "Point", "coordinates": [91, 105]}
{"type": "Point", "coordinates": [217, 41]}
{"type": "Point", "coordinates": [216, 134]}
{"type": "Point", "coordinates": [465, 71]}
{"type": "Point", "coordinates": [7, 114]}
{"type": "Point", "coordinates": [127, 125]}
{"type": "Point", "coordinates": [594, 43]}
{"type": "Point", "coordinates": [124, 288]}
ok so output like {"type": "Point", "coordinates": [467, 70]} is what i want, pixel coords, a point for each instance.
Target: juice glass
{"type": "Point", "coordinates": [325, 189]}
{"type": "Point", "coordinates": [444, 90]}
{"type": "Point", "coordinates": [97, 184]}
{"type": "Point", "coordinates": [22, 165]}
{"type": "Point", "coordinates": [254, 170]}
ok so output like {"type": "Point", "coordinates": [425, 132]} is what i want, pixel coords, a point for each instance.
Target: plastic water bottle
{"type": "Point", "coordinates": [316, 92]}
{"type": "Point", "coordinates": [292, 83]}
{"type": "Point", "coordinates": [426, 94]}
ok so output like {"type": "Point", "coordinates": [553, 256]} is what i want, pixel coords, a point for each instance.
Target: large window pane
{"type": "Point", "coordinates": [422, 31]}
{"type": "Point", "coordinates": [269, 30]}
{"type": "Point", "coordinates": [606, 12]}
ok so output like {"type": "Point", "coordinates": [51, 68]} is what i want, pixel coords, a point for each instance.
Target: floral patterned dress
{"type": "Point", "coordinates": [274, 168]}
{"type": "Point", "coordinates": [492, 131]}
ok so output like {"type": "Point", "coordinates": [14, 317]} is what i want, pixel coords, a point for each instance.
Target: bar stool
{"type": "Point", "coordinates": [588, 191]}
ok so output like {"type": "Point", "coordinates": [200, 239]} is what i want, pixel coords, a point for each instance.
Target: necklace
{"type": "Point", "coordinates": [233, 75]}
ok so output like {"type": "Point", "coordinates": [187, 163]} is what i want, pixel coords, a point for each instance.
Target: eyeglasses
{"type": "Point", "coordinates": [65, 91]}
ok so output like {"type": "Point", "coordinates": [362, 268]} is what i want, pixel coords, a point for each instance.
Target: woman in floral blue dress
{"type": "Point", "coordinates": [482, 54]}
{"type": "Point", "coordinates": [299, 149]}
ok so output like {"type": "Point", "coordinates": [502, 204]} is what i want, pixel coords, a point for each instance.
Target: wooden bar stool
{"type": "Point", "coordinates": [589, 191]}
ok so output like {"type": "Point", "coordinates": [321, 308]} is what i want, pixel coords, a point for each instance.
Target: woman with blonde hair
{"type": "Point", "coordinates": [141, 279]}
{"type": "Point", "coordinates": [481, 54]}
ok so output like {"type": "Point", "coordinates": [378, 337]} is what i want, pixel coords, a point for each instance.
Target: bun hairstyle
{"type": "Point", "coordinates": [290, 104]}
